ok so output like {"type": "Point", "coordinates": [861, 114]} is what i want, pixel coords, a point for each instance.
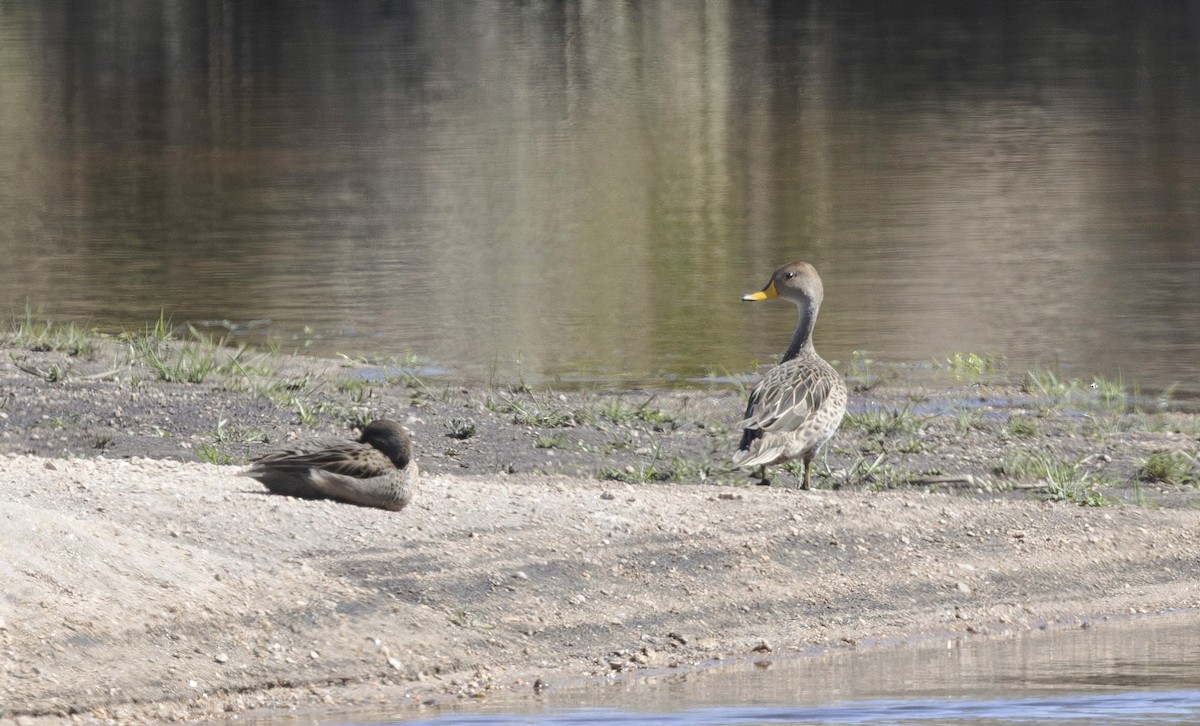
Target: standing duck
{"type": "Point", "coordinates": [800, 403]}
{"type": "Point", "coordinates": [375, 471]}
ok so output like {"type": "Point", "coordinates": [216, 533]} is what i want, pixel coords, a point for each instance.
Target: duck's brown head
{"type": "Point", "coordinates": [390, 438]}
{"type": "Point", "coordinates": [795, 281]}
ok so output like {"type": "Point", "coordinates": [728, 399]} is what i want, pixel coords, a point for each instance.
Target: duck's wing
{"type": "Point", "coordinates": [787, 396]}
{"type": "Point", "coordinates": [350, 459]}
{"type": "Point", "coordinates": [392, 492]}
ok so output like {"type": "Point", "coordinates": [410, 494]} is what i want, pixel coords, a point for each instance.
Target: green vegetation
{"type": "Point", "coordinates": [968, 418]}
{"type": "Point", "coordinates": [969, 366]}
{"type": "Point", "coordinates": [53, 374]}
{"type": "Point", "coordinates": [629, 436]}
{"type": "Point", "coordinates": [884, 423]}
{"type": "Point", "coordinates": [860, 373]}
{"type": "Point", "coordinates": [550, 441]}
{"type": "Point", "coordinates": [210, 454]}
{"type": "Point", "coordinates": [1046, 385]}
{"type": "Point", "coordinates": [190, 358]}
{"type": "Point", "coordinates": [1165, 396]}
{"type": "Point", "coordinates": [1177, 423]}
{"type": "Point", "coordinates": [655, 469]}
{"type": "Point", "coordinates": [1110, 395]}
{"type": "Point", "coordinates": [193, 358]}
{"type": "Point", "coordinates": [460, 428]}
{"type": "Point", "coordinates": [874, 474]}
{"type": "Point", "coordinates": [282, 391]}
{"type": "Point", "coordinates": [685, 469]}
{"type": "Point", "coordinates": [619, 442]}
{"type": "Point", "coordinates": [1075, 490]}
{"type": "Point", "coordinates": [639, 473]}
{"type": "Point", "coordinates": [1065, 481]}
{"type": "Point", "coordinates": [43, 335]}
{"type": "Point", "coordinates": [470, 620]}
{"type": "Point", "coordinates": [404, 372]}
{"type": "Point", "coordinates": [307, 413]}
{"type": "Point", "coordinates": [360, 417]}
{"type": "Point", "coordinates": [227, 434]}
{"type": "Point", "coordinates": [1022, 427]}
{"type": "Point", "coordinates": [1101, 394]}
{"type": "Point", "coordinates": [358, 389]}
{"type": "Point", "coordinates": [528, 411]}
{"type": "Point", "coordinates": [549, 411]}
{"type": "Point", "coordinates": [192, 363]}
{"type": "Point", "coordinates": [614, 410]}
{"type": "Point", "coordinates": [1169, 467]}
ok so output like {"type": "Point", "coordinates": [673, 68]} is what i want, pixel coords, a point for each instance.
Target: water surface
{"type": "Point", "coordinates": [1139, 671]}
{"type": "Point", "coordinates": [582, 190]}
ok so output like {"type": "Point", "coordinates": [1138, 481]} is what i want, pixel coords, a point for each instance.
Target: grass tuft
{"type": "Point", "coordinates": [891, 421]}
{"type": "Point", "coordinates": [306, 412]}
{"type": "Point", "coordinates": [640, 473]}
{"type": "Point", "coordinates": [969, 366]}
{"type": "Point", "coordinates": [1110, 395]}
{"type": "Point", "coordinates": [615, 411]}
{"type": "Point", "coordinates": [210, 454]}
{"type": "Point", "coordinates": [875, 474]}
{"type": "Point", "coordinates": [550, 441]}
{"type": "Point", "coordinates": [1169, 467]}
{"type": "Point", "coordinates": [526, 410]}
{"type": "Point", "coordinates": [460, 428]}
{"type": "Point", "coordinates": [1022, 427]}
{"type": "Point", "coordinates": [43, 335]}
{"type": "Point", "coordinates": [1102, 394]}
{"type": "Point", "coordinates": [192, 363]}
{"type": "Point", "coordinates": [1046, 385]}
{"type": "Point", "coordinates": [968, 418]}
{"type": "Point", "coordinates": [860, 372]}
{"type": "Point", "coordinates": [1065, 481]}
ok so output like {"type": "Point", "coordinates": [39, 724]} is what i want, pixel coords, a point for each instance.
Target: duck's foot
{"type": "Point", "coordinates": [761, 474]}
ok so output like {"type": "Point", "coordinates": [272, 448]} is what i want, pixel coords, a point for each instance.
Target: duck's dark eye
{"type": "Point", "coordinates": [789, 276]}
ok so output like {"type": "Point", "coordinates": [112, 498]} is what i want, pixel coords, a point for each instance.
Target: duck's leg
{"type": "Point", "coordinates": [807, 470]}
{"type": "Point", "coordinates": [763, 481]}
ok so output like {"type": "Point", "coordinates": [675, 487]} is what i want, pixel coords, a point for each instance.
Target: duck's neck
{"type": "Point", "coordinates": [399, 452]}
{"type": "Point", "coordinates": [802, 339]}
{"type": "Point", "coordinates": [402, 456]}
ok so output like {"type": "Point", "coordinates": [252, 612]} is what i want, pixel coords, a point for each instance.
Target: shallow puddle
{"type": "Point", "coordinates": [1142, 670]}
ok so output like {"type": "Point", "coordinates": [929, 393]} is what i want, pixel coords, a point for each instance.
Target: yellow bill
{"type": "Point", "coordinates": [766, 293]}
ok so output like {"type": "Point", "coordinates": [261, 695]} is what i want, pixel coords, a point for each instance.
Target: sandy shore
{"type": "Point", "coordinates": [167, 590]}
{"type": "Point", "coordinates": [140, 585]}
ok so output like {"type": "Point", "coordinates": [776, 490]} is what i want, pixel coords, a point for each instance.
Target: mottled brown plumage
{"type": "Point", "coordinates": [796, 408]}
{"type": "Point", "coordinates": [375, 471]}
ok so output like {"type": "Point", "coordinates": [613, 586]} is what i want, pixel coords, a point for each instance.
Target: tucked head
{"type": "Point", "coordinates": [795, 281]}
{"type": "Point", "coordinates": [390, 438]}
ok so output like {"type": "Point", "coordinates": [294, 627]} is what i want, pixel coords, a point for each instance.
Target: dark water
{"type": "Point", "coordinates": [584, 190]}
{"type": "Point", "coordinates": [1143, 671]}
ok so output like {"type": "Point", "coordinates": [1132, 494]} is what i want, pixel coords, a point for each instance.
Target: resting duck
{"type": "Point", "coordinates": [375, 471]}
